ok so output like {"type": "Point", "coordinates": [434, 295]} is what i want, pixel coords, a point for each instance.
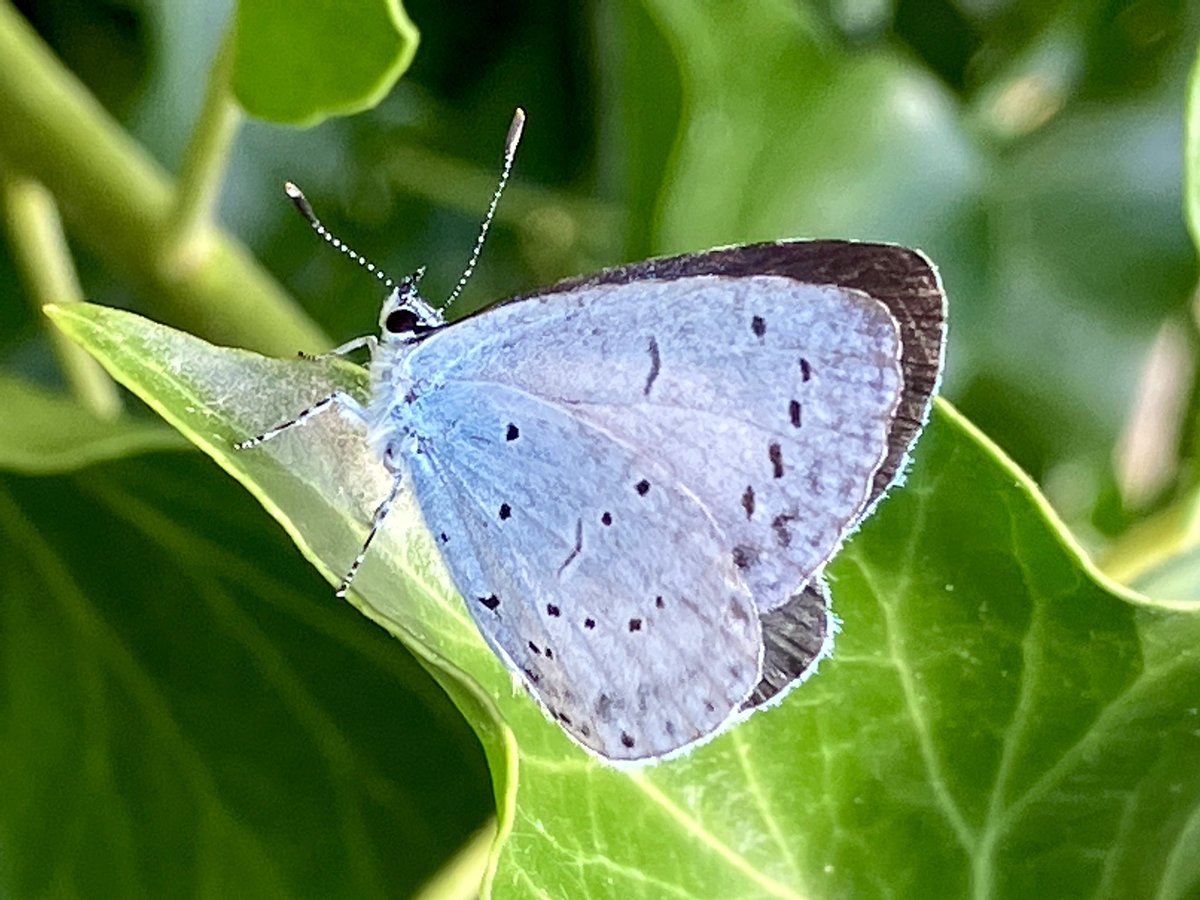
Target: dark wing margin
{"type": "Point", "coordinates": [907, 283]}
{"type": "Point", "coordinates": [794, 637]}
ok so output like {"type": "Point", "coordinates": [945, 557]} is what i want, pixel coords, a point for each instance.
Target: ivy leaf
{"type": "Point", "coordinates": [996, 719]}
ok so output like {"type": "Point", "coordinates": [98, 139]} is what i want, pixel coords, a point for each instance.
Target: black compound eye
{"type": "Point", "coordinates": [399, 320]}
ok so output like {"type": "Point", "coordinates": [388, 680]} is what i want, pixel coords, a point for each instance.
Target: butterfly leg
{"type": "Point", "coordinates": [376, 524]}
{"type": "Point", "coordinates": [339, 400]}
{"type": "Point", "coordinates": [369, 341]}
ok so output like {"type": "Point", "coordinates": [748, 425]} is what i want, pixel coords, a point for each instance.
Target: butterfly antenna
{"type": "Point", "coordinates": [510, 152]}
{"type": "Point", "coordinates": [301, 203]}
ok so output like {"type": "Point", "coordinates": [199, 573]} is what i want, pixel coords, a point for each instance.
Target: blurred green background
{"type": "Point", "coordinates": [1034, 150]}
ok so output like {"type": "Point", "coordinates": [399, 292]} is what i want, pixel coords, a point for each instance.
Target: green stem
{"type": "Point", "coordinates": [42, 255]}
{"type": "Point", "coordinates": [1191, 156]}
{"type": "Point", "coordinates": [118, 201]}
{"type": "Point", "coordinates": [205, 161]}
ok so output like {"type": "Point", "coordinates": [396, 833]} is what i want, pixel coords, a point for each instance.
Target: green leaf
{"type": "Point", "coordinates": [46, 432]}
{"type": "Point", "coordinates": [800, 138]}
{"type": "Point", "coordinates": [185, 710]}
{"type": "Point", "coordinates": [996, 719]}
{"type": "Point", "coordinates": [300, 63]}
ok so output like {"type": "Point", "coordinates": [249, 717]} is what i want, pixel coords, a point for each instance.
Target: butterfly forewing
{"type": "Point", "coordinates": [767, 400]}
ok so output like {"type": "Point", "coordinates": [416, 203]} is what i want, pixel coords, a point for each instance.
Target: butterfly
{"type": "Point", "coordinates": [636, 478]}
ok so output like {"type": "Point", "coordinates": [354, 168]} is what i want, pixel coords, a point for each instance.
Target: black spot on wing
{"type": "Point", "coordinates": [505, 511]}
{"type": "Point", "coordinates": [758, 326]}
{"type": "Point", "coordinates": [775, 454]}
{"type": "Point", "coordinates": [655, 367]}
{"type": "Point", "coordinates": [748, 501]}
{"type": "Point", "coordinates": [635, 625]}
{"type": "Point", "coordinates": [512, 433]}
{"type": "Point", "coordinates": [805, 370]}
{"type": "Point", "coordinates": [589, 623]}
{"type": "Point", "coordinates": [781, 526]}
{"type": "Point", "coordinates": [794, 413]}
{"type": "Point", "coordinates": [642, 487]}
{"type": "Point", "coordinates": [606, 519]}
{"type": "Point", "coordinates": [744, 556]}
{"type": "Point", "coordinates": [491, 601]}
{"type": "Point", "coordinates": [552, 610]}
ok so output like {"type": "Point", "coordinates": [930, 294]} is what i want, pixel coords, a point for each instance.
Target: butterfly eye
{"type": "Point", "coordinates": [401, 320]}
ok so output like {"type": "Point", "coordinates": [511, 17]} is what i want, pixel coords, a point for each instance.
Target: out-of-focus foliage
{"type": "Point", "coordinates": [176, 679]}
{"type": "Point", "coordinates": [1034, 150]}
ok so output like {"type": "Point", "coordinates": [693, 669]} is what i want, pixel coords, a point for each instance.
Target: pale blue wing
{"type": "Point", "coordinates": [587, 567]}
{"type": "Point", "coordinates": [767, 400]}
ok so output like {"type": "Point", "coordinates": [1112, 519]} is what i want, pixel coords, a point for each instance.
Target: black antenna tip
{"type": "Point", "coordinates": [299, 201]}
{"type": "Point", "coordinates": [514, 132]}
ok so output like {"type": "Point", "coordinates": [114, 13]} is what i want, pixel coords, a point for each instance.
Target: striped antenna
{"type": "Point", "coordinates": [510, 152]}
{"type": "Point", "coordinates": [301, 203]}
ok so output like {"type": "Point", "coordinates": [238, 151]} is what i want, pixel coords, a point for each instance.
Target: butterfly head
{"type": "Point", "coordinates": [406, 317]}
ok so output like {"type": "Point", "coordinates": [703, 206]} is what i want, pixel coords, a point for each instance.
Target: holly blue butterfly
{"type": "Point", "coordinates": [636, 478]}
